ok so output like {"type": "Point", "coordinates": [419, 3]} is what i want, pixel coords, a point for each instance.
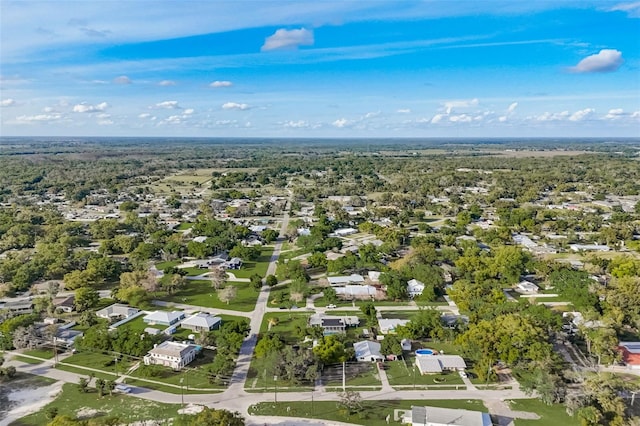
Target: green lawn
{"type": "Point", "coordinates": [97, 360]}
{"type": "Point", "coordinates": [138, 325]}
{"type": "Point", "coordinates": [184, 226]}
{"type": "Point", "coordinates": [259, 266]}
{"type": "Point", "coordinates": [161, 266]}
{"type": "Point", "coordinates": [27, 360]}
{"type": "Point", "coordinates": [126, 408]}
{"type": "Point", "coordinates": [549, 414]}
{"type": "Point", "coordinates": [259, 381]}
{"type": "Point", "coordinates": [374, 413]}
{"type": "Point", "coordinates": [200, 293]}
{"type": "Point", "coordinates": [86, 373]}
{"type": "Point", "coordinates": [41, 353]}
{"type": "Point", "coordinates": [365, 374]}
{"type": "Point", "coordinates": [401, 374]}
{"type": "Point", "coordinates": [287, 324]}
{"type": "Point", "coordinates": [164, 388]}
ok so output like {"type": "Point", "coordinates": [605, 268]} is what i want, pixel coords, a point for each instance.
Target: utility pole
{"type": "Point", "coordinates": [275, 389]}
{"type": "Point", "coordinates": [182, 391]}
{"type": "Point", "coordinates": [344, 378]}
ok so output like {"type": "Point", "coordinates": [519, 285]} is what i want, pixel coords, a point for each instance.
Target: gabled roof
{"type": "Point", "coordinates": [449, 416]}
{"type": "Point", "coordinates": [201, 320]}
{"type": "Point", "coordinates": [367, 348]}
{"type": "Point", "coordinates": [163, 316]}
{"type": "Point", "coordinates": [631, 347]}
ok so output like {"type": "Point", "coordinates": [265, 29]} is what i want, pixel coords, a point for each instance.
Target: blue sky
{"type": "Point", "coordinates": [320, 69]}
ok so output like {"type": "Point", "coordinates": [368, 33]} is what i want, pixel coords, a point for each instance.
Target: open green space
{"type": "Point", "coordinates": [259, 266]}
{"type": "Point", "coordinates": [374, 413]}
{"type": "Point", "coordinates": [126, 408]}
{"type": "Point", "coordinates": [138, 325]}
{"type": "Point", "coordinates": [554, 414]}
{"type": "Point", "coordinates": [401, 373]}
{"type": "Point", "coordinates": [46, 353]}
{"type": "Point", "coordinates": [365, 374]}
{"type": "Point", "coordinates": [86, 373]}
{"type": "Point", "coordinates": [259, 381]}
{"type": "Point", "coordinates": [200, 293]}
{"type": "Point", "coordinates": [184, 226]}
{"type": "Point", "coordinates": [287, 325]}
{"type": "Point", "coordinates": [100, 361]}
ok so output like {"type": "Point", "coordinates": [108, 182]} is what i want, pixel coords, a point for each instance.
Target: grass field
{"type": "Point", "coordinates": [287, 325]}
{"type": "Point", "coordinates": [200, 293]}
{"type": "Point", "coordinates": [401, 374]}
{"type": "Point", "coordinates": [374, 413]}
{"type": "Point", "coordinates": [127, 409]}
{"type": "Point", "coordinates": [259, 266]}
{"type": "Point", "coordinates": [99, 361]}
{"type": "Point", "coordinates": [555, 414]}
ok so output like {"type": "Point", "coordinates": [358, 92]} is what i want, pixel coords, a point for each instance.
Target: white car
{"type": "Point", "coordinates": [462, 374]}
{"type": "Point", "coordinates": [331, 306]}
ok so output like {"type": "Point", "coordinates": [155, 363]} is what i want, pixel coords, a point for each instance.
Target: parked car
{"type": "Point", "coordinates": [462, 374]}
{"type": "Point", "coordinates": [331, 306]}
{"type": "Point", "coordinates": [123, 388]}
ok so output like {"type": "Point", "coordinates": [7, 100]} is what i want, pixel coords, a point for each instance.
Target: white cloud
{"type": "Point", "coordinates": [635, 114]}
{"type": "Point", "coordinates": [300, 124]}
{"type": "Point", "coordinates": [123, 79]}
{"type": "Point", "coordinates": [342, 122]}
{"type": "Point", "coordinates": [403, 111]}
{"type": "Point", "coordinates": [371, 114]}
{"type": "Point", "coordinates": [7, 102]}
{"type": "Point", "coordinates": [462, 118]}
{"type": "Point", "coordinates": [464, 103]}
{"type": "Point", "coordinates": [582, 114]}
{"type": "Point", "coordinates": [502, 118]}
{"type": "Point", "coordinates": [105, 122]}
{"type": "Point", "coordinates": [168, 105]}
{"type": "Point", "coordinates": [144, 115]}
{"type": "Point", "coordinates": [607, 60]}
{"type": "Point", "coordinates": [614, 114]}
{"type": "Point", "coordinates": [512, 107]}
{"type": "Point", "coordinates": [548, 116]}
{"type": "Point", "coordinates": [39, 118]}
{"type": "Point", "coordinates": [234, 105]}
{"type": "Point", "coordinates": [188, 111]}
{"type": "Point", "coordinates": [167, 83]}
{"type": "Point", "coordinates": [221, 83]}
{"type": "Point", "coordinates": [633, 9]}
{"type": "Point", "coordinates": [85, 107]}
{"type": "Point", "coordinates": [437, 118]}
{"type": "Point", "coordinates": [288, 39]}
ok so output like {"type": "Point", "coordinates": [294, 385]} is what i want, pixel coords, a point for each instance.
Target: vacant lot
{"type": "Point", "coordinates": [201, 293]}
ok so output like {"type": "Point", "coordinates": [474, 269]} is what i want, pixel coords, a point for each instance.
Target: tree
{"type": "Point", "coordinates": [370, 312]}
{"type": "Point", "coordinates": [350, 402]}
{"type": "Point", "coordinates": [317, 260]}
{"type": "Point", "coordinates": [227, 294]}
{"type": "Point", "coordinates": [216, 417]}
{"type": "Point", "coordinates": [100, 384]}
{"type": "Point", "coordinates": [173, 284]}
{"type": "Point", "coordinates": [218, 278]}
{"type": "Point", "coordinates": [85, 298]}
{"type": "Point", "coordinates": [267, 344]}
{"type": "Point", "coordinates": [77, 279]}
{"type": "Point", "coordinates": [271, 280]}
{"type": "Point", "coordinates": [269, 235]}
{"type": "Point", "coordinates": [256, 281]}
{"type": "Point", "coordinates": [330, 295]}
{"type": "Point", "coordinates": [330, 350]}
{"type": "Point", "coordinates": [391, 345]}
{"type": "Point", "coordinates": [396, 285]}
{"type": "Point", "coordinates": [83, 385]}
{"type": "Point", "coordinates": [6, 373]}
{"type": "Point", "coordinates": [110, 385]}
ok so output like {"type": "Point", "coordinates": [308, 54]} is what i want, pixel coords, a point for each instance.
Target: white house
{"type": "Point", "coordinates": [432, 364]}
{"type": "Point", "coordinates": [374, 276]}
{"type": "Point", "coordinates": [414, 288]}
{"type": "Point", "coordinates": [436, 416]}
{"type": "Point", "coordinates": [343, 232]}
{"type": "Point", "coordinates": [201, 322]}
{"type": "Point", "coordinates": [589, 247]}
{"type": "Point", "coordinates": [367, 350]}
{"type": "Point", "coordinates": [117, 311]}
{"type": "Point", "coordinates": [164, 317]}
{"type": "Point", "coordinates": [389, 325]}
{"type": "Point", "coordinates": [171, 354]}
{"type": "Point", "coordinates": [527, 287]}
{"type": "Point", "coordinates": [356, 291]}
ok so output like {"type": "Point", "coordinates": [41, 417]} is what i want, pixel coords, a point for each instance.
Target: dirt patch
{"type": "Point", "coordinates": [191, 409]}
{"type": "Point", "coordinates": [501, 411]}
{"type": "Point", "coordinates": [25, 400]}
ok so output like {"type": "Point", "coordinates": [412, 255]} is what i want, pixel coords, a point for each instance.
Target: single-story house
{"type": "Point", "coordinates": [630, 353]}
{"type": "Point", "coordinates": [589, 247]}
{"type": "Point", "coordinates": [117, 311]}
{"type": "Point", "coordinates": [171, 354]}
{"type": "Point", "coordinates": [201, 322]}
{"type": "Point", "coordinates": [367, 350]}
{"type": "Point", "coordinates": [19, 307]}
{"type": "Point", "coordinates": [200, 239]}
{"type": "Point", "coordinates": [152, 331]}
{"type": "Point", "coordinates": [527, 287]}
{"type": "Point", "coordinates": [374, 276]}
{"type": "Point", "coordinates": [389, 325]}
{"type": "Point", "coordinates": [333, 324]}
{"type": "Point", "coordinates": [163, 317]}
{"type": "Point", "coordinates": [66, 337]}
{"type": "Point", "coordinates": [415, 288]}
{"type": "Point", "coordinates": [345, 279]}
{"type": "Point", "coordinates": [356, 291]}
{"type": "Point", "coordinates": [343, 232]}
{"type": "Point", "coordinates": [234, 263]}
{"type": "Point", "coordinates": [436, 416]}
{"type": "Point", "coordinates": [65, 304]}
{"type": "Point", "coordinates": [431, 364]}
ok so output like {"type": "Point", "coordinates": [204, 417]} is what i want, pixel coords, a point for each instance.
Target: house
{"type": "Point", "coordinates": [630, 353]}
{"type": "Point", "coordinates": [436, 416]}
{"type": "Point", "coordinates": [200, 239]}
{"type": "Point", "coordinates": [163, 317]}
{"type": "Point", "coordinates": [374, 276]}
{"type": "Point", "coordinates": [389, 325]}
{"type": "Point", "coordinates": [234, 263]}
{"type": "Point", "coordinates": [525, 286]}
{"type": "Point", "coordinates": [343, 232]}
{"type": "Point", "coordinates": [65, 304]}
{"type": "Point", "coordinates": [589, 247]}
{"type": "Point", "coordinates": [414, 288]}
{"type": "Point", "coordinates": [19, 307]}
{"type": "Point", "coordinates": [66, 336]}
{"type": "Point", "coordinates": [333, 324]}
{"type": "Point", "coordinates": [432, 364]}
{"type": "Point", "coordinates": [357, 291]}
{"type": "Point", "coordinates": [117, 311]}
{"type": "Point", "coordinates": [405, 344]}
{"type": "Point", "coordinates": [367, 350]}
{"type": "Point", "coordinates": [345, 279]}
{"type": "Point", "coordinates": [171, 354]}
{"type": "Point", "coordinates": [201, 322]}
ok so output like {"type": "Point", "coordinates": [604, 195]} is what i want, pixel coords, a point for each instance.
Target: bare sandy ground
{"type": "Point", "coordinates": [28, 400]}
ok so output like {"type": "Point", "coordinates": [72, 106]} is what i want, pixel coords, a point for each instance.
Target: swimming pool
{"type": "Point", "coordinates": [424, 352]}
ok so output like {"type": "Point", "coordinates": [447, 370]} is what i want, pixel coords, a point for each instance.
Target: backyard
{"type": "Point", "coordinates": [200, 293]}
